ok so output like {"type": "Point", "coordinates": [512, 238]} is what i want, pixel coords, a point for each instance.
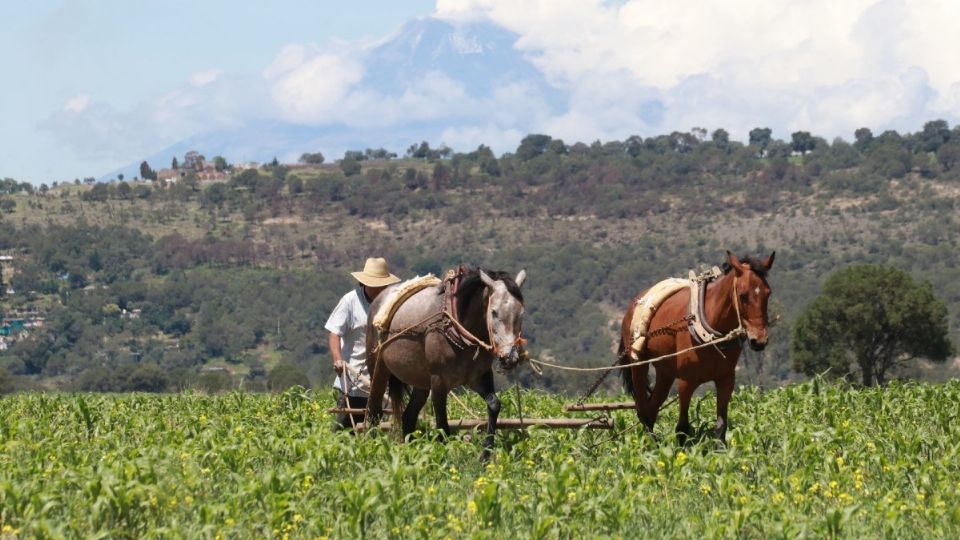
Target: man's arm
{"type": "Point", "coordinates": [334, 343]}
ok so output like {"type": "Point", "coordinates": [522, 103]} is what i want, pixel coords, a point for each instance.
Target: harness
{"type": "Point", "coordinates": [446, 321]}
{"type": "Point", "coordinates": [695, 319]}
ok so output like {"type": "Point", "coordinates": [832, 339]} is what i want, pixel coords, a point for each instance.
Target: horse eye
{"type": "Point", "coordinates": [494, 313]}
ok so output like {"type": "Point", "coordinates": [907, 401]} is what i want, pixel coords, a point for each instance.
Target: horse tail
{"type": "Point", "coordinates": [398, 399]}
{"type": "Point", "coordinates": [626, 374]}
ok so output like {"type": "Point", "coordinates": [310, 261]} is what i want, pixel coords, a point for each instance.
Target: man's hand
{"type": "Point", "coordinates": [334, 343]}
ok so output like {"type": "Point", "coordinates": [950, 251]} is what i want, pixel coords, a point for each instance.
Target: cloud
{"type": "Point", "coordinates": [619, 68]}
{"type": "Point", "coordinates": [819, 65]}
{"type": "Point", "coordinates": [308, 84]}
{"type": "Point", "coordinates": [203, 78]}
{"type": "Point", "coordinates": [77, 104]}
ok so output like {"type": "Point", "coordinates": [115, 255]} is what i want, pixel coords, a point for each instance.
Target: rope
{"type": "Point", "coordinates": [735, 334]}
{"type": "Point", "coordinates": [464, 406]}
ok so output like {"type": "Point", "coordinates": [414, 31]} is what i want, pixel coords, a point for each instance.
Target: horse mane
{"type": "Point", "coordinates": [471, 283]}
{"type": "Point", "coordinates": [755, 265]}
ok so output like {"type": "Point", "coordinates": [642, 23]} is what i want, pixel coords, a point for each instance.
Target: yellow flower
{"type": "Point", "coordinates": [472, 507]}
{"type": "Point", "coordinates": [921, 497]}
{"type": "Point", "coordinates": [188, 500]}
{"type": "Point", "coordinates": [481, 481]}
{"type": "Point", "coordinates": [572, 496]}
{"type": "Point", "coordinates": [297, 518]}
{"type": "Point", "coordinates": [839, 461]}
{"type": "Point", "coordinates": [230, 522]}
{"type": "Point", "coordinates": [779, 497]}
{"type": "Point", "coordinates": [680, 459]}
{"type": "Point", "coordinates": [661, 464]}
{"type": "Point", "coordinates": [705, 489]}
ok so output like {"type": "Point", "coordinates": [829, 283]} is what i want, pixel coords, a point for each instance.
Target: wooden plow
{"type": "Point", "coordinates": [600, 422]}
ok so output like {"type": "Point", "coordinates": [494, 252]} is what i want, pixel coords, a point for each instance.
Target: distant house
{"type": "Point", "coordinates": [246, 165]}
{"type": "Point", "coordinates": [210, 173]}
{"type": "Point", "coordinates": [170, 175]}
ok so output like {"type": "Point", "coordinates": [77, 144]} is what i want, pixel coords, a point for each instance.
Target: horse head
{"type": "Point", "coordinates": [751, 295]}
{"type": "Point", "coordinates": [504, 317]}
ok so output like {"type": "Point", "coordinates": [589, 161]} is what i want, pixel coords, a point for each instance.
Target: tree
{"type": "Point", "coordinates": [173, 163]}
{"type": "Point", "coordinates": [220, 163]}
{"type": "Point", "coordinates": [532, 146]}
{"type": "Point", "coordinates": [146, 172]}
{"type": "Point", "coordinates": [721, 138]}
{"type": "Point", "coordinates": [935, 133]}
{"type": "Point", "coordinates": [315, 158]}
{"type": "Point", "coordinates": [350, 167]}
{"type": "Point", "coordinates": [802, 142]}
{"type": "Point", "coordinates": [870, 318]}
{"type": "Point", "coordinates": [862, 138]}
{"type": "Point", "coordinates": [124, 190]}
{"type": "Point", "coordinates": [760, 137]}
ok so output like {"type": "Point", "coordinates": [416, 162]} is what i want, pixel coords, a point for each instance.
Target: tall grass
{"type": "Point", "coordinates": [805, 460]}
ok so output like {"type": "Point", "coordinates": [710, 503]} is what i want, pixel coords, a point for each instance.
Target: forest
{"type": "Point", "coordinates": [152, 285]}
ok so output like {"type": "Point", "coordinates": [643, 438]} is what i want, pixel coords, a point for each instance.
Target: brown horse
{"type": "Point", "coordinates": [422, 357]}
{"type": "Point", "coordinates": [737, 299]}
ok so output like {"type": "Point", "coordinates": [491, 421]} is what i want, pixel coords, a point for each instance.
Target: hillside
{"type": "Point", "coordinates": [240, 275]}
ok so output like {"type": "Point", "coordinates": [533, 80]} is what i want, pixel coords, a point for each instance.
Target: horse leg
{"type": "Point", "coordinates": [685, 391]}
{"type": "Point", "coordinates": [485, 388]}
{"type": "Point", "coordinates": [438, 392]}
{"type": "Point", "coordinates": [418, 397]}
{"type": "Point", "coordinates": [638, 383]}
{"type": "Point", "coordinates": [378, 385]}
{"type": "Point", "coordinates": [724, 391]}
{"type": "Point", "coordinates": [660, 390]}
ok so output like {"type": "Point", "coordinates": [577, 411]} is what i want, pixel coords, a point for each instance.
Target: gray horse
{"type": "Point", "coordinates": [418, 354]}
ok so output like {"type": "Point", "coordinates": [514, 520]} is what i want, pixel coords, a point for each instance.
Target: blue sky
{"type": "Point", "coordinates": [121, 52]}
{"type": "Point", "coordinates": [93, 85]}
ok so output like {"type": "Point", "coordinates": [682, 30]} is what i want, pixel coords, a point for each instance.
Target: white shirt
{"type": "Point", "coordinates": [349, 321]}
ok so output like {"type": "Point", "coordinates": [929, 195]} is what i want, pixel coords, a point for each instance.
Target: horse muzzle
{"type": "Point", "coordinates": [512, 359]}
{"type": "Point", "coordinates": [756, 344]}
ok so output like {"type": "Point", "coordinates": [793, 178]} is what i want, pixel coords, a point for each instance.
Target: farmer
{"type": "Point", "coordinates": [348, 346]}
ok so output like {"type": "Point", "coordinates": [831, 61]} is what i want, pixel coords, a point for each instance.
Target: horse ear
{"type": "Point", "coordinates": [768, 262]}
{"type": "Point", "coordinates": [521, 277]}
{"type": "Point", "coordinates": [734, 262]}
{"type": "Point", "coordinates": [486, 279]}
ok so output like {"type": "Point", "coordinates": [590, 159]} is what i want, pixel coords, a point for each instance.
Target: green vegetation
{"type": "Point", "coordinates": [240, 274]}
{"type": "Point", "coordinates": [872, 318]}
{"type": "Point", "coordinates": [803, 461]}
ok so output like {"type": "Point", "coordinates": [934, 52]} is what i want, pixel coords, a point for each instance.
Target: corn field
{"type": "Point", "coordinates": [809, 460]}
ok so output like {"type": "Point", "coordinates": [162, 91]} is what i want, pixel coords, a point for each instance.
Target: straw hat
{"type": "Point", "coordinates": [375, 273]}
